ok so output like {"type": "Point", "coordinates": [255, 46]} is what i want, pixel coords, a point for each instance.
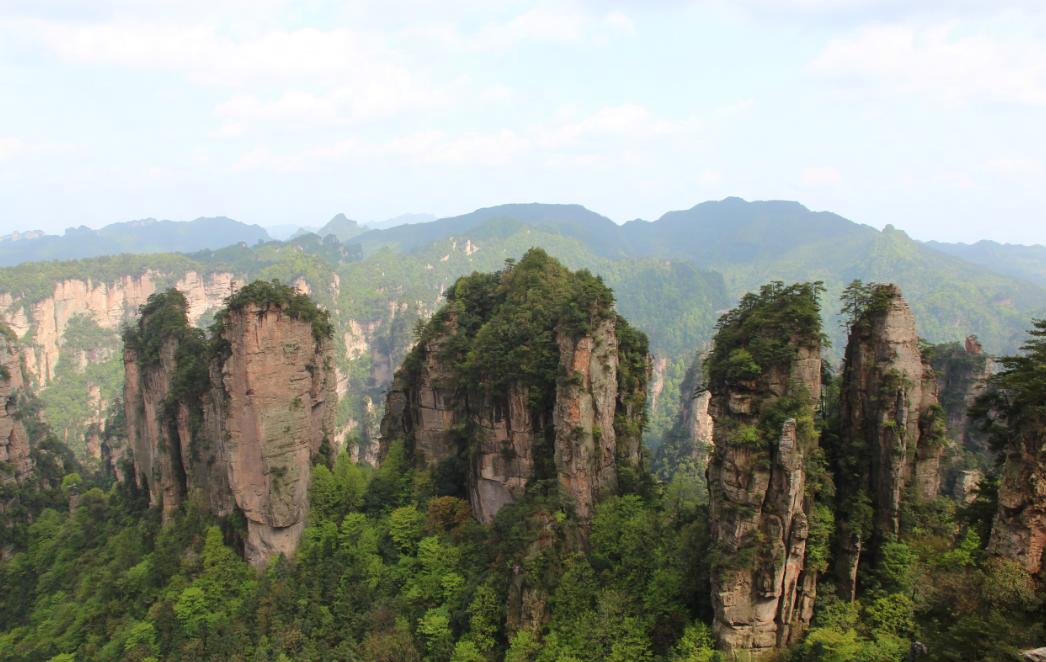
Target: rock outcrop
{"type": "Point", "coordinates": [252, 409]}
{"type": "Point", "coordinates": [892, 431]}
{"type": "Point", "coordinates": [563, 426]}
{"type": "Point", "coordinates": [687, 444]}
{"type": "Point", "coordinates": [962, 373]}
{"type": "Point", "coordinates": [108, 303]}
{"type": "Point", "coordinates": [15, 461]}
{"type": "Point", "coordinates": [530, 381]}
{"type": "Point", "coordinates": [760, 503]}
{"type": "Point", "coordinates": [272, 406]}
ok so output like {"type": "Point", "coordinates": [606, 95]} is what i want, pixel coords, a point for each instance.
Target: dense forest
{"type": "Point", "coordinates": [393, 564]}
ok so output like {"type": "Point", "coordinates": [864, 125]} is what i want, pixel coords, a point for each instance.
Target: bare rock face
{"type": "Point", "coordinates": [107, 303]}
{"type": "Point", "coordinates": [14, 442]}
{"type": "Point", "coordinates": [586, 448]}
{"type": "Point", "coordinates": [1019, 530]}
{"type": "Point", "coordinates": [892, 427]}
{"type": "Point", "coordinates": [760, 512]}
{"type": "Point", "coordinates": [429, 409]}
{"type": "Point", "coordinates": [155, 446]}
{"type": "Point", "coordinates": [272, 404]}
{"type": "Point", "coordinates": [244, 432]}
{"type": "Point", "coordinates": [962, 374]}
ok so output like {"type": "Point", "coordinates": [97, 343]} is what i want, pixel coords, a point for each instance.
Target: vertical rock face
{"type": "Point", "coordinates": [253, 408]}
{"type": "Point", "coordinates": [272, 405]}
{"type": "Point", "coordinates": [761, 403]}
{"type": "Point", "coordinates": [14, 442]}
{"type": "Point", "coordinates": [586, 448]}
{"type": "Point", "coordinates": [1014, 405]}
{"type": "Point", "coordinates": [1019, 530]}
{"type": "Point", "coordinates": [962, 373]}
{"type": "Point", "coordinates": [565, 427]}
{"type": "Point", "coordinates": [530, 381]}
{"type": "Point", "coordinates": [107, 303]}
{"type": "Point", "coordinates": [758, 506]}
{"type": "Point", "coordinates": [687, 444]}
{"type": "Point", "coordinates": [892, 428]}
{"type": "Point", "coordinates": [156, 448]}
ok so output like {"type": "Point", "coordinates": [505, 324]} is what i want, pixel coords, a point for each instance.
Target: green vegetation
{"type": "Point", "coordinates": [393, 567]}
{"type": "Point", "coordinates": [275, 294]}
{"type": "Point", "coordinates": [1013, 409]}
{"type": "Point", "coordinates": [387, 570]}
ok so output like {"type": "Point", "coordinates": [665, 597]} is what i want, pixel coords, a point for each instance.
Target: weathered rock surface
{"type": "Point", "coordinates": [248, 441]}
{"type": "Point", "coordinates": [1019, 530]}
{"type": "Point", "coordinates": [892, 428]}
{"type": "Point", "coordinates": [273, 403]}
{"type": "Point", "coordinates": [687, 444]}
{"type": "Point", "coordinates": [108, 303]}
{"type": "Point", "coordinates": [14, 442]}
{"type": "Point", "coordinates": [429, 409]}
{"type": "Point", "coordinates": [761, 504]}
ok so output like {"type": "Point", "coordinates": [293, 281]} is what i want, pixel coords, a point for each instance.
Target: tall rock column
{"type": "Point", "coordinates": [155, 446]}
{"type": "Point", "coordinates": [1014, 405]}
{"type": "Point", "coordinates": [273, 404]}
{"type": "Point", "coordinates": [14, 442]}
{"type": "Point", "coordinates": [235, 420]}
{"type": "Point", "coordinates": [586, 447]}
{"type": "Point", "coordinates": [892, 430]}
{"type": "Point", "coordinates": [764, 376]}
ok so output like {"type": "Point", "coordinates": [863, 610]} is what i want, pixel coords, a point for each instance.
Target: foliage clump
{"type": "Point", "coordinates": [765, 330]}
{"type": "Point", "coordinates": [267, 294]}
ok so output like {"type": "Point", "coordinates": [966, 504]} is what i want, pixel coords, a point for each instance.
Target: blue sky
{"type": "Point", "coordinates": [927, 115]}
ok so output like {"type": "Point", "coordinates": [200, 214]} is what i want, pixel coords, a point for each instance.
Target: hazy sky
{"type": "Point", "coordinates": [925, 114]}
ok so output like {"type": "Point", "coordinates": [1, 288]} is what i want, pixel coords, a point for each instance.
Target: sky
{"type": "Point", "coordinates": [924, 114]}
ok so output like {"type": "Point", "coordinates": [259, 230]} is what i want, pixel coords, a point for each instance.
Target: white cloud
{"type": "Point", "coordinates": [904, 61]}
{"type": "Point", "coordinates": [1025, 166]}
{"type": "Point", "coordinates": [9, 147]}
{"type": "Point", "coordinates": [819, 177]}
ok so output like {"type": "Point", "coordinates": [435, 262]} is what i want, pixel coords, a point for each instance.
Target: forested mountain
{"type": "Point", "coordinates": [1027, 262]}
{"type": "Point", "coordinates": [511, 516]}
{"type": "Point", "coordinates": [751, 243]}
{"type": "Point", "coordinates": [145, 236]}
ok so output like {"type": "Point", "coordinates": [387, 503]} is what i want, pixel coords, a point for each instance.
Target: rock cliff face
{"type": "Point", "coordinates": [962, 372]}
{"type": "Point", "coordinates": [252, 409]}
{"type": "Point", "coordinates": [762, 402]}
{"type": "Point", "coordinates": [687, 444]}
{"type": "Point", "coordinates": [1019, 530]}
{"type": "Point", "coordinates": [759, 506]}
{"type": "Point", "coordinates": [529, 380]}
{"type": "Point", "coordinates": [272, 406]}
{"type": "Point", "coordinates": [1014, 404]}
{"type": "Point", "coordinates": [431, 411]}
{"type": "Point", "coordinates": [107, 303]}
{"type": "Point", "coordinates": [892, 429]}
{"type": "Point", "coordinates": [14, 442]}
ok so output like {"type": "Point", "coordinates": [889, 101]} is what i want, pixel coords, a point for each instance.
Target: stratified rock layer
{"type": "Point", "coordinates": [248, 441]}
{"type": "Point", "coordinates": [892, 429]}
{"type": "Point", "coordinates": [759, 506]}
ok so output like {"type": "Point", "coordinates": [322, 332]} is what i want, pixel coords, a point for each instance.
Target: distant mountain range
{"type": "Point", "coordinates": [139, 237]}
{"type": "Point", "coordinates": [1027, 262]}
